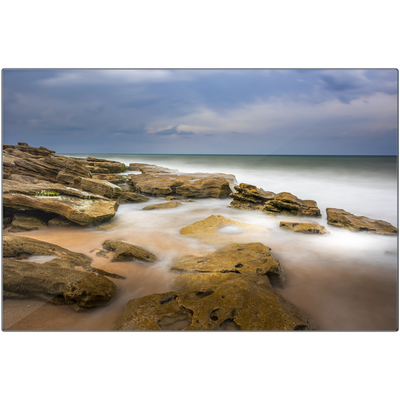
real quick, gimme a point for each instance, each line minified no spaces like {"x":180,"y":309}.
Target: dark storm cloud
{"x":152,"y":109}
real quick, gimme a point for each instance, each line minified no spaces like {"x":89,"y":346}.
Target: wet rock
{"x":160,"y":181}
{"x":126,"y":251}
{"x":82,"y":212}
{"x":250,"y":259}
{"x":249,"y":197}
{"x":309,"y":227}
{"x":132,"y":197}
{"x":96,"y":186}
{"x":343,"y":219}
{"x":233,"y":303}
{"x":25,"y":222}
{"x":56,"y":280}
{"x":163,"y":206}
{"x":218,"y":229}
{"x":206,"y":187}
{"x":59,"y":286}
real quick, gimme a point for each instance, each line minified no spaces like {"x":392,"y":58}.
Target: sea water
{"x":343,"y":281}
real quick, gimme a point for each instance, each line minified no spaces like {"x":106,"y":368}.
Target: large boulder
{"x":221,"y":301}
{"x":309,"y":227}
{"x":82,"y":212}
{"x":76,"y":205}
{"x":343,"y":219}
{"x":249,"y":197}
{"x":250,"y":259}
{"x":160,"y":181}
{"x":126,"y":251}
{"x":56,"y":278}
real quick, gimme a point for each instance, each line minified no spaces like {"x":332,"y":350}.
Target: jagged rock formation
{"x":37,"y":179}
{"x":343,"y":219}
{"x":249,"y":197}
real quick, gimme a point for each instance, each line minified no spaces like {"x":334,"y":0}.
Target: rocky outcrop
{"x":249,"y":260}
{"x":96,"y":186}
{"x":160,"y":181}
{"x":221,"y":301}
{"x":309,"y":227}
{"x":56,"y":279}
{"x":249,"y":197}
{"x":343,"y":219}
{"x":78,"y":206}
{"x":99,"y":164}
{"x":163,"y":206}
{"x":218,"y":229}
{"x":126,"y":251}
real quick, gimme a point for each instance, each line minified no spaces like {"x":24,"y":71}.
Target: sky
{"x":243,"y":111}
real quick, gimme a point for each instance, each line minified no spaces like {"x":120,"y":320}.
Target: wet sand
{"x":343,"y":281}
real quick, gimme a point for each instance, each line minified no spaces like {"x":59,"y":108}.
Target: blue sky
{"x":351,"y":112}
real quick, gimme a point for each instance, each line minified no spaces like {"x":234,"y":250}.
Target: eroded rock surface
{"x":343,"y":219}
{"x":309,"y":227}
{"x":249,"y":197}
{"x":250,"y":259}
{"x":56,"y":280}
{"x":223,"y":302}
{"x":126,"y":251}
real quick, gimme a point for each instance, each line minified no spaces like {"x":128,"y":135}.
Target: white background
{"x":206,"y":34}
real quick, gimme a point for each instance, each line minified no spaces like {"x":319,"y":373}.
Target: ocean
{"x":345,"y":281}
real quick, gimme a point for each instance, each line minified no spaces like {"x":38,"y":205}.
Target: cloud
{"x":173,"y":131}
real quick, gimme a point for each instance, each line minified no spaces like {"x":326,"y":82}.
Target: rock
{"x":172,"y":198}
{"x":110,"y":166}
{"x":96,"y":186}
{"x":304,"y":227}
{"x":82,"y":212}
{"x":115,"y":179}
{"x":56,"y":285}
{"x":61,"y":221}
{"x":125,"y":251}
{"x":163,"y":206}
{"x":25,"y":222}
{"x":233,"y":303}
{"x":56,"y":279}
{"x":343,"y":219}
{"x":250,"y":259}
{"x":132,"y":197}
{"x":249,"y":197}
{"x":218,"y":229}
{"x":160,"y":181}
{"x":206,"y":187}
